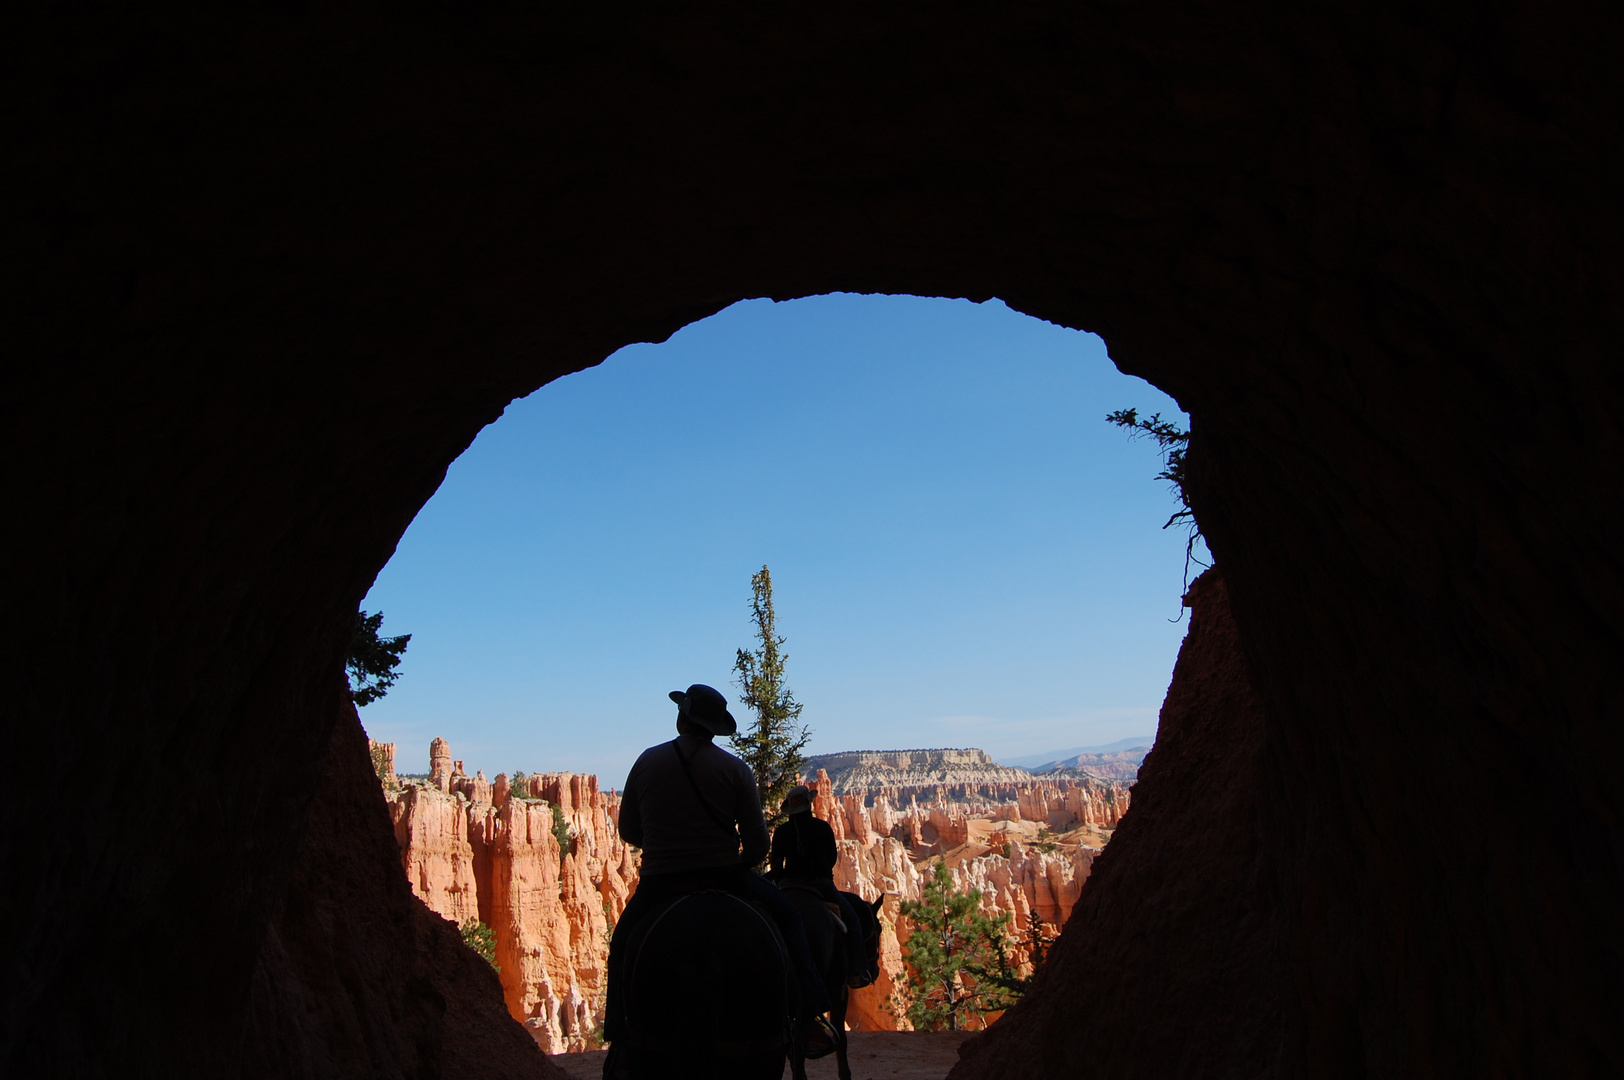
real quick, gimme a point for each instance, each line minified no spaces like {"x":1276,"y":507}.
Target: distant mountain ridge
{"x":1048,"y":759}
{"x":1121,"y":765}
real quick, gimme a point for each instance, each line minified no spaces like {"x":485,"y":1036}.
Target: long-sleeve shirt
{"x":660,"y":812}
{"x":804,"y":849}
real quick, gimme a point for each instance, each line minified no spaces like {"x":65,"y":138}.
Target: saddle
{"x":707,"y":970}
{"x":832,"y":908}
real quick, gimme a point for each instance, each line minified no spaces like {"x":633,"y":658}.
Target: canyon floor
{"x":874,"y":1055}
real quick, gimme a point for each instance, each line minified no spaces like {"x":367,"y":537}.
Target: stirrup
{"x":817,"y":1026}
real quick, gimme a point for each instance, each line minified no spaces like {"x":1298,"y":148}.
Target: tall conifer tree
{"x":773,"y":743}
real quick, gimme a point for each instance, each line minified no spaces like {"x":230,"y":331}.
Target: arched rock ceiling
{"x":274,"y":268}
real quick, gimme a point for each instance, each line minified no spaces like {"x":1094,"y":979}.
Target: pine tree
{"x":1174,"y":443}
{"x":772,"y":745}
{"x":953,"y":954}
{"x":372,"y":661}
{"x":1005,"y":976}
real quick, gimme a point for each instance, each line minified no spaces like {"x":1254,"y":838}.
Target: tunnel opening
{"x":946,"y":497}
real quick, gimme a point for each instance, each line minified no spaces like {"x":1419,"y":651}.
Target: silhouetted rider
{"x":804,"y":854}
{"x":691,"y":806}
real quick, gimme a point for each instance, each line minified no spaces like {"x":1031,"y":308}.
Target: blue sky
{"x":963,"y":552}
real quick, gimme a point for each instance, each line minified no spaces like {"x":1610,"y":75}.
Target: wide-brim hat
{"x":705,"y":707}
{"x":799,"y":800}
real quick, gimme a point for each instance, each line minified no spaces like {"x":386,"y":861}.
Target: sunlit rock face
{"x":432,"y":830}
{"x":357,"y":977}
{"x":872,"y":808}
{"x":485,"y":852}
{"x":925,"y":773}
{"x":551,"y":910}
{"x":276,"y":268}
{"x":886,"y":853}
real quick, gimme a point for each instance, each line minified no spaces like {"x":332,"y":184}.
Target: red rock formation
{"x":480,"y":850}
{"x":879,"y":847}
{"x":432,"y":831}
{"x":383,"y":762}
{"x":941,"y":825}
{"x":440,"y":764}
{"x":1022,"y":883}
{"x":497,"y":859}
{"x":357,"y":977}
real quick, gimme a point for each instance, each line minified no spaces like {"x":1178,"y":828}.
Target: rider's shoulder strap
{"x":703,"y":804}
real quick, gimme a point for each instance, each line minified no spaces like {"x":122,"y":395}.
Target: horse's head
{"x":869,"y":912}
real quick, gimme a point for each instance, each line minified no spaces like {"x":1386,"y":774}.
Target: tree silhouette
{"x":1174,"y":443}
{"x":373,"y":659}
{"x":773,"y":743}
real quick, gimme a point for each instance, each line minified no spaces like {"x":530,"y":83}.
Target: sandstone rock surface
{"x":904,"y":776}
{"x":357,"y":977}
{"x":488,"y":852}
{"x":1028,"y":884}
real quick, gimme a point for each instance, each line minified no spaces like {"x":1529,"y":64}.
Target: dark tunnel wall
{"x":273,"y":268}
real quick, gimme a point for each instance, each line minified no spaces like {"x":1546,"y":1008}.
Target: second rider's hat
{"x":799,"y":800}
{"x":705,"y":707}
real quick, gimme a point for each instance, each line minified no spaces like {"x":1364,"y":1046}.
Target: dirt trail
{"x":874,"y":1055}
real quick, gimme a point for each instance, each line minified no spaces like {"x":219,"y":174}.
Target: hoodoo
{"x":273,"y":268}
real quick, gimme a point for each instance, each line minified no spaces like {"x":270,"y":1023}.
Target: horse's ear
{"x":875,"y":906}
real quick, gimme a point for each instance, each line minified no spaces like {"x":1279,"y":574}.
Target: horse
{"x":828,"y":943}
{"x":708,"y":994}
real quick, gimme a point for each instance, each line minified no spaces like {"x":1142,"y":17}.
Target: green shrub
{"x":561,"y":832}
{"x":478,"y":937}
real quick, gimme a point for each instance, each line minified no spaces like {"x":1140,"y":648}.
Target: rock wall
{"x":886,"y":853}
{"x":880,"y":806}
{"x":357,"y":977}
{"x":905,"y":776}
{"x":482,"y":850}
{"x":1025,"y":884}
